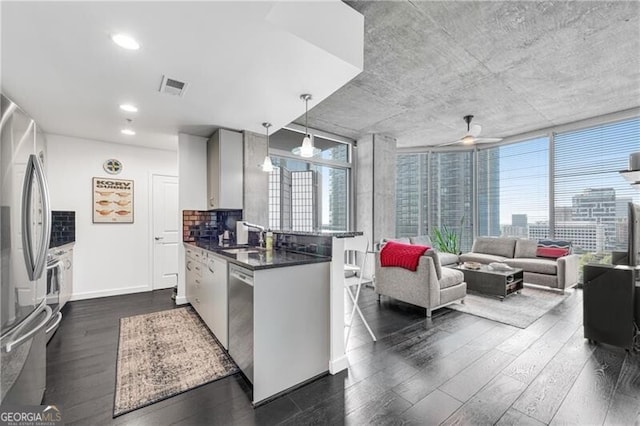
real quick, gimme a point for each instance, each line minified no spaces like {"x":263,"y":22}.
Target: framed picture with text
{"x":112,"y":200}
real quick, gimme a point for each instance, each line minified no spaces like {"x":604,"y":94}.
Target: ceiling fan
{"x":471,"y":137}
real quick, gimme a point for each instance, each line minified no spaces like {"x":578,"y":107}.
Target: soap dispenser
{"x":269,"y":240}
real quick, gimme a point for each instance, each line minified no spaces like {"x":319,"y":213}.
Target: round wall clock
{"x":112,"y":166}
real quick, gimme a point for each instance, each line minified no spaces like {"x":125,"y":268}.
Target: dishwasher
{"x":241,"y":318}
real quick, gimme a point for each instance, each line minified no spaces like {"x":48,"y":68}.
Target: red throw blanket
{"x":404,"y":256}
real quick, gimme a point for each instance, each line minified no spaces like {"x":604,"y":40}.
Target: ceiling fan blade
{"x":475,"y":130}
{"x":449,"y":143}
{"x":487,"y":140}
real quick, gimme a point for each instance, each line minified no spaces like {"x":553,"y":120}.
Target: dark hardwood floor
{"x":453,"y":369}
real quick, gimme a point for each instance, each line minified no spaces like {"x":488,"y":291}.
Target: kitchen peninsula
{"x":269,"y":308}
{"x":273,"y":310}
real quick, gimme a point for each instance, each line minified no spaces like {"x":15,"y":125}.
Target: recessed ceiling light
{"x":128,"y":108}
{"x":125,"y":41}
{"x":127,"y":132}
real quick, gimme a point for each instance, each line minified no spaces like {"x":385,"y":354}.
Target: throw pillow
{"x":553,"y":249}
{"x":551,"y":252}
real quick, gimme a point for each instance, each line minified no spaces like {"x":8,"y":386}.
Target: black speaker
{"x":610,"y":304}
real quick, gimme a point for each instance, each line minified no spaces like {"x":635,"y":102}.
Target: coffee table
{"x":493,"y":282}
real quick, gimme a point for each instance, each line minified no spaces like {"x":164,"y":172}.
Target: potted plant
{"x":446,"y":240}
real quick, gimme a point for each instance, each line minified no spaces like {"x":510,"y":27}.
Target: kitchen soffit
{"x":245,"y":62}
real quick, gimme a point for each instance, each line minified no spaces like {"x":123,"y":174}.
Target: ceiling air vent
{"x":173,"y":87}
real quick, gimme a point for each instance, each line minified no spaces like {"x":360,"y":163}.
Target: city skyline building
{"x":584,"y":236}
{"x":338,"y":202}
{"x":520,"y":220}
{"x":489,"y":193}
{"x":598,"y":205}
{"x":412,"y":195}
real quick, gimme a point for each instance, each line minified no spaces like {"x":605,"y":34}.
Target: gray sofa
{"x":561,"y":273}
{"x":431,"y":286}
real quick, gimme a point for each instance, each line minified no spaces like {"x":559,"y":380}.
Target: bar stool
{"x":355,"y":250}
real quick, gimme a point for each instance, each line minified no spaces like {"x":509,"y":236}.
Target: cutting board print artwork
{"x":112,"y":200}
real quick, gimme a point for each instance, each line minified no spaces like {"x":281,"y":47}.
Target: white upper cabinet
{"x":225,"y":170}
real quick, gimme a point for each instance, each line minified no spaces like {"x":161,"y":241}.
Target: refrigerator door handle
{"x":55,"y":324}
{"x":27,"y":239}
{"x":16,"y":342}
{"x":25,"y":321}
{"x":41,"y":260}
{"x":35,"y":262}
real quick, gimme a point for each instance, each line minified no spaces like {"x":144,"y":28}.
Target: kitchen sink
{"x":245,"y":250}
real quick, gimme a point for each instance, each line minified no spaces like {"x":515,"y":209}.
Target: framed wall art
{"x":112,"y":200}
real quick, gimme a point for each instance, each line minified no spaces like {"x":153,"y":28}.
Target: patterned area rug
{"x":519,"y":310}
{"x":163,"y":354}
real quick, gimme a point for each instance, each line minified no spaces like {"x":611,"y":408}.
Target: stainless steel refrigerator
{"x":25,"y":228}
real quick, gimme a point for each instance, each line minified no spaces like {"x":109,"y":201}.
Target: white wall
{"x":192,"y":188}
{"x":109,"y":259}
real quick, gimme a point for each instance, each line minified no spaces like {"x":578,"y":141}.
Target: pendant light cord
{"x":306,"y":117}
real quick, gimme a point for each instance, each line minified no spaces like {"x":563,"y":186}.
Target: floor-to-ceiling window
{"x":434,"y":191}
{"x":516,"y":183}
{"x":513,"y":189}
{"x":309,"y":194}
{"x":590,"y":195}
{"x":412,"y":195}
{"x":451,"y":194}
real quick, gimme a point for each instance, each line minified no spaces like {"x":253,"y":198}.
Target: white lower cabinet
{"x":206,"y":290}
{"x":215,"y":289}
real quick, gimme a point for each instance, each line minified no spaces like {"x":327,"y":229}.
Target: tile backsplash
{"x":205,"y":226}
{"x":63,"y":228}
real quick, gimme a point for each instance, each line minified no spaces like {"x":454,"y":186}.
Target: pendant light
{"x":307,"y":149}
{"x":267,"y":165}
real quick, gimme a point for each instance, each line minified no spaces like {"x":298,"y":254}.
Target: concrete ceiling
{"x":245,"y":63}
{"x":518,"y":66}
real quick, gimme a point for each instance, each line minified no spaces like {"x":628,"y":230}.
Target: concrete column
{"x":256,"y":182}
{"x":376,"y":188}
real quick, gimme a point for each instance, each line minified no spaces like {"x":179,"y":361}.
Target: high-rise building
{"x":518,"y":227}
{"x":338,"y":202}
{"x":489,"y":193}
{"x":411,"y":195}
{"x":451,"y":195}
{"x":585,"y":237}
{"x":598,"y":205}
{"x":563,"y":213}
{"x":514,"y":231}
{"x":520,"y":220}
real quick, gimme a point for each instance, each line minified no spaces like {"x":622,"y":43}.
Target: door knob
{"x":159,"y":238}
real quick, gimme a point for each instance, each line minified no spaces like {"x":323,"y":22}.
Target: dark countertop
{"x":337,"y":234}
{"x":266,"y":259}
{"x":214,"y":247}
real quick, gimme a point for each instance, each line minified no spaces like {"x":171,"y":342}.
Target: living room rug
{"x":163,"y":354}
{"x":519,"y":310}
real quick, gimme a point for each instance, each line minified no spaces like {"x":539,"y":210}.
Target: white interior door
{"x":166,"y":231}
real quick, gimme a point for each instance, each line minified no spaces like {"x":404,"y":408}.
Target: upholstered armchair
{"x":431,"y":286}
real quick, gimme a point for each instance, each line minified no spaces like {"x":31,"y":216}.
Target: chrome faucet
{"x":259,"y":228}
